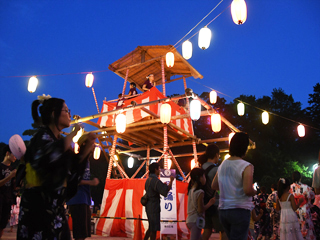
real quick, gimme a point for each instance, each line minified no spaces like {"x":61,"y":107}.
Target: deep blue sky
{"x":278,"y":47}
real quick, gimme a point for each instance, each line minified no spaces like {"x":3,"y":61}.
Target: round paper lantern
{"x":301,"y":131}
{"x":192,"y":164}
{"x":17,"y":146}
{"x":265,"y":117}
{"x":213,"y":97}
{"x":76,"y":148}
{"x":78,"y":135}
{"x":121,"y":123}
{"x":170,"y":59}
{"x":239,"y":11}
{"x":130,"y":162}
{"x":89,"y":80}
{"x":204,"y":38}
{"x":216,"y":122}
{"x":32,"y":84}
{"x":187,"y":49}
{"x":96,"y":153}
{"x":231,"y":136}
{"x":195,"y":109}
{"x":240,"y":108}
{"x":165,"y":113}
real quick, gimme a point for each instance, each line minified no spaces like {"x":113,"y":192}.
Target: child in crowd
{"x":196,"y":207}
{"x":14,"y":214}
{"x":254,"y":218}
{"x":133,"y":90}
{"x":289,"y":224}
{"x":120,"y":101}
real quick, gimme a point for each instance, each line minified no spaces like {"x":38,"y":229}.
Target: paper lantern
{"x":153,"y":161}
{"x":216,"y":122}
{"x":165,"y":113}
{"x":187,"y":49}
{"x":213,"y":97}
{"x":193,"y":164}
{"x":265,"y":117}
{"x":169,"y":163}
{"x":226,"y":156}
{"x":170,"y":59}
{"x":75,"y":139}
{"x":96,"y":153}
{"x":239,"y":11}
{"x":89,"y":80}
{"x":76,"y":148}
{"x":130,"y":162}
{"x":195,"y":109}
{"x":121,"y":123}
{"x":115,"y":157}
{"x":231,"y":136}
{"x":32,"y":84}
{"x":301,"y":131}
{"x":204,"y":38}
{"x":240,"y":108}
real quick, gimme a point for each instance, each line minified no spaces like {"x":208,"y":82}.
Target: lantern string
{"x":272,"y":113}
{"x":199,"y":23}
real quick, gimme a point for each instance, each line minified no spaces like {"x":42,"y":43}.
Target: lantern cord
{"x":198,"y":23}
{"x":275,"y":114}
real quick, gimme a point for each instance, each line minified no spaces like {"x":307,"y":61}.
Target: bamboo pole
{"x":112,"y":156}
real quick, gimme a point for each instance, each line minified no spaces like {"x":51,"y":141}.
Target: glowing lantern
{"x":240,"y":108}
{"x":76,"y":148}
{"x":153,"y":161}
{"x":195,"y":109}
{"x":89,"y":80}
{"x":165,"y":113}
{"x":213,"y":97}
{"x":231,"y":136}
{"x":78,"y":135}
{"x":216,"y":122}
{"x":169,"y":163}
{"x":187,"y":49}
{"x":226,"y":156}
{"x":96,"y":153}
{"x":239,"y":11}
{"x":130,"y":162}
{"x":204,"y":38}
{"x":121,"y":123}
{"x":170,"y":59}
{"x":32,"y":84}
{"x":193,"y":164}
{"x":265,"y":117}
{"x":115,"y":157}
{"x":301,"y":131}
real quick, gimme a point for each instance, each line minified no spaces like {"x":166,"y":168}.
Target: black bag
{"x":144,"y":198}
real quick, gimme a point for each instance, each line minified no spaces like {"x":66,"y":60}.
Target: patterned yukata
{"x":52,"y":176}
{"x":265,"y":229}
{"x":300,"y":190}
{"x":274,"y":215}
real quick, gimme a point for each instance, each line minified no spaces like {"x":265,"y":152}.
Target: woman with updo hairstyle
{"x":53,"y":172}
{"x":303,"y":191}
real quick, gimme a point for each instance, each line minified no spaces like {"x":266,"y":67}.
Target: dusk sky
{"x":277,"y":47}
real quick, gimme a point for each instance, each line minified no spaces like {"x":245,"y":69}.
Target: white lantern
{"x":130,"y":162}
{"x":96,"y":153}
{"x":169,"y":163}
{"x":187,"y":49}
{"x":121,"y":123}
{"x":226,"y":156}
{"x":204,"y":38}
{"x":231,"y":136}
{"x":115,"y":157}
{"x":32,"y":84}
{"x":239,"y":11}
{"x":76,"y":148}
{"x":170,"y":59}
{"x":89,"y":80}
{"x":301,"y":131}
{"x":75,"y":139}
{"x":193,"y":164}
{"x":216,"y":122}
{"x":195,"y":109}
{"x":213,"y":97}
{"x":240,"y":108}
{"x":165,"y":113}
{"x":265,"y":117}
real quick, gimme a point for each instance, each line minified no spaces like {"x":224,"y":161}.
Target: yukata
{"x":300,"y":190}
{"x":153,"y":190}
{"x":264,"y":222}
{"x":274,"y":215}
{"x":52,"y":177}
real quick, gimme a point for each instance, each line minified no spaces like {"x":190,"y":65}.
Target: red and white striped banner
{"x":121,"y":198}
{"x":138,"y":114}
